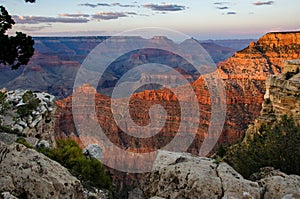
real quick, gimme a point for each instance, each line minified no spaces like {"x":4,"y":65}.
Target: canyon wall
{"x":244,"y":76}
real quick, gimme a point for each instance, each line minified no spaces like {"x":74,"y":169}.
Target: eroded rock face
{"x":28,"y":174}
{"x":244,"y":77}
{"x":282,"y":95}
{"x":245,"y":74}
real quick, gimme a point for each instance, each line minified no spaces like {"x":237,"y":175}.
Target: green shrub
{"x":21,"y":140}
{"x":3,"y":104}
{"x":9,"y":130}
{"x":89,"y":170}
{"x":277,"y":146}
{"x":31,"y":103}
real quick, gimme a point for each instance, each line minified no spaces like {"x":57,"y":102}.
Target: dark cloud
{"x":111,"y":15}
{"x":261,"y":3}
{"x":165,"y":7}
{"x":88,"y":5}
{"x":37,"y":20}
{"x":231,"y":13}
{"x":103,"y":4}
{"x":223,"y":8}
{"x":73,"y":15}
{"x":221,"y":3}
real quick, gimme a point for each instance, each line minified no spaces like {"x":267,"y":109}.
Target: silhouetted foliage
{"x":277,"y":146}
{"x":15,"y":50}
{"x":88,"y":170}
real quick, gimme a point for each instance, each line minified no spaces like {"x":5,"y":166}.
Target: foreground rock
{"x":277,"y":184}
{"x":30,"y":114}
{"x":282,"y":95}
{"x":26,"y":173}
{"x":181,"y":175}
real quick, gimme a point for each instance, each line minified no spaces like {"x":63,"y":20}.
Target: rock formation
{"x":245,"y":74}
{"x":181,"y":175}
{"x":244,"y":77}
{"x":32,"y":118}
{"x":26,"y":173}
{"x":276,"y":184}
{"x":282,"y":95}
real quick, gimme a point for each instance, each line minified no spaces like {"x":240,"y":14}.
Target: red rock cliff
{"x":244,"y":77}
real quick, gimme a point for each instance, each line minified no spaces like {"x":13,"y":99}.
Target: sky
{"x":201,"y":19}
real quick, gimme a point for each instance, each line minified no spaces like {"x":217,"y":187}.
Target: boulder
{"x":181,"y":175}
{"x":29,"y":174}
{"x":7,"y":195}
{"x":276,"y":184}
{"x":93,"y":150}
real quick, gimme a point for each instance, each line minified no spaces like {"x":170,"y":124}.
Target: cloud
{"x":103,"y":4}
{"x":88,"y":5}
{"x":106,"y":5}
{"x":223,"y":8}
{"x":261,"y":3}
{"x":221,"y":3}
{"x":111,"y":15}
{"x":165,"y":7}
{"x":38,"y":19}
{"x":33,"y":28}
{"x":73,"y":15}
{"x":123,"y":5}
{"x":231,"y":13}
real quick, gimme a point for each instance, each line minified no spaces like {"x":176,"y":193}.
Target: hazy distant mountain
{"x":235,"y":44}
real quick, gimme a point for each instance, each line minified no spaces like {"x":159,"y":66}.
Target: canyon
{"x":56,"y":60}
{"x":261,"y":84}
{"x":243,"y":74}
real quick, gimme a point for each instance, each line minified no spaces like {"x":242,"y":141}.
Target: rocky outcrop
{"x":181,"y":175}
{"x":26,"y":173}
{"x":32,"y":118}
{"x":178,"y":175}
{"x":276,"y":184}
{"x":264,"y":57}
{"x":282,"y":95}
{"x":245,"y":73}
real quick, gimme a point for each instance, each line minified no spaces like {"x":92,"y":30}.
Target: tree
{"x":87,"y":169}
{"x":277,"y":146}
{"x":14,"y":50}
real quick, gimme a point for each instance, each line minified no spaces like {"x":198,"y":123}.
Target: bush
{"x":21,"y":140}
{"x":31,"y":103}
{"x":89,"y":170}
{"x":9,"y":130}
{"x":3,"y":104}
{"x":277,"y":146}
